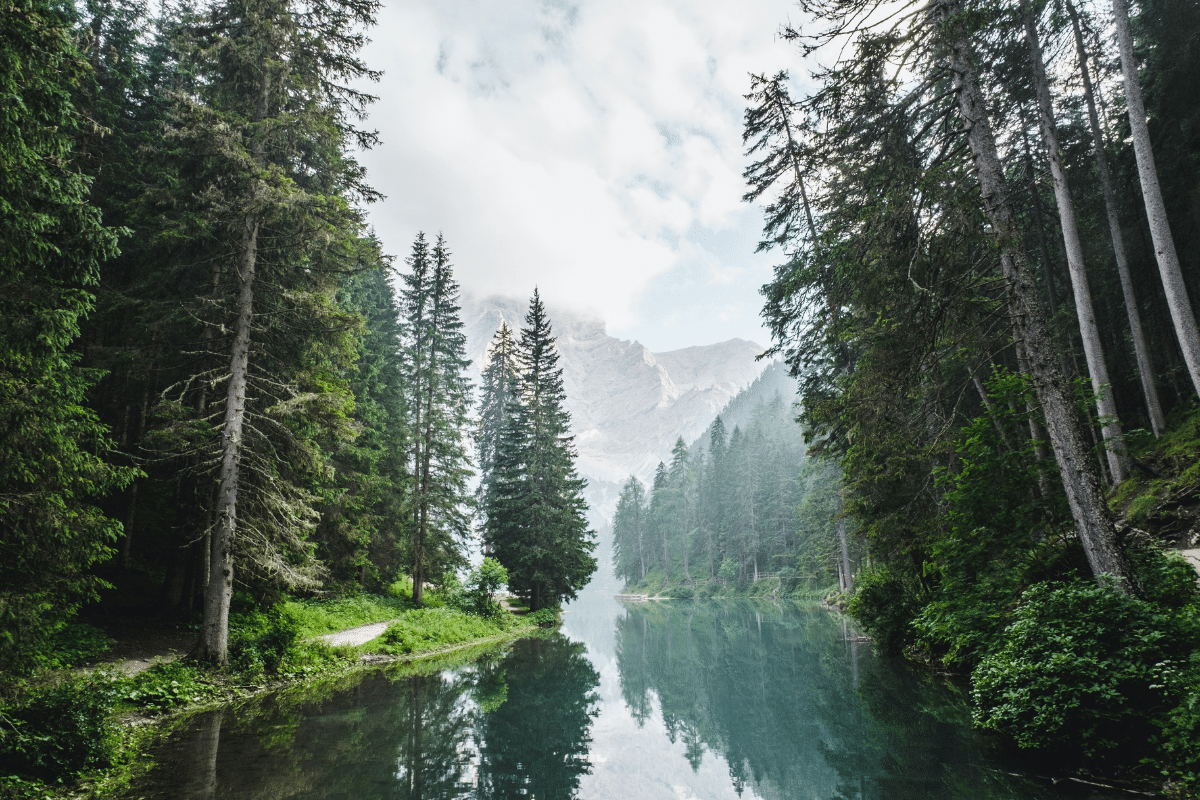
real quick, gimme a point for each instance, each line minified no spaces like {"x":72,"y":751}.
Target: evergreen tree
{"x":501,"y":386}
{"x":536,"y":525}
{"x":439,"y":401}
{"x":51,"y":245}
{"x":629,"y":532}
{"x":363,"y":523}
{"x":260,"y":132}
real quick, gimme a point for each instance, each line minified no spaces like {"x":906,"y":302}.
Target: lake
{"x":670,"y":700}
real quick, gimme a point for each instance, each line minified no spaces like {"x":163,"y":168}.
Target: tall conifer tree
{"x":439,"y":402}
{"x":501,"y":387}
{"x":535,"y":517}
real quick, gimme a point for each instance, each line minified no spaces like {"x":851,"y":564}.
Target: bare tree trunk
{"x":214,"y":635}
{"x":845,"y":549}
{"x":1141,"y":348}
{"x":1093,"y":350}
{"x":1156,"y":212}
{"x":1039,"y":225}
{"x":1080,"y":475}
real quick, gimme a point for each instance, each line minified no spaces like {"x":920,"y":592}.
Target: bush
{"x":60,"y":731}
{"x":259,"y":640}
{"x":1078,"y":671}
{"x":544,"y":617}
{"x":884,"y":606}
{"x":315,"y":617}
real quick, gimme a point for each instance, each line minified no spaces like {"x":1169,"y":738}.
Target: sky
{"x":590,"y":148}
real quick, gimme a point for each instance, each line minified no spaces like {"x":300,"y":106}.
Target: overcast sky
{"x":592,"y":148}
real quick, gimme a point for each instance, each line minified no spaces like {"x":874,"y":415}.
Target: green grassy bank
{"x":84,"y":732}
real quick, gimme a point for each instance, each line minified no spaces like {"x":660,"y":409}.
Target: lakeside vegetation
{"x":85,"y":727}
{"x":986,"y":291}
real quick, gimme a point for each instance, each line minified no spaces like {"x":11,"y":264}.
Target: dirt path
{"x":1192,"y":556}
{"x":137,"y":647}
{"x":356,"y":636}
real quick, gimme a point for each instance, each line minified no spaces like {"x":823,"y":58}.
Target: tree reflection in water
{"x":535,"y":743}
{"x":796,"y":707}
{"x":515,"y":725}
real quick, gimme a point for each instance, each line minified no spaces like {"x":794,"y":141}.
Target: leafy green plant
{"x":429,"y":628}
{"x":59,"y":730}
{"x":884,"y":605}
{"x":543,"y":618}
{"x":260,"y":640}
{"x":315,"y":617}
{"x":76,"y":643}
{"x":1078,"y":670}
{"x":165,"y":686}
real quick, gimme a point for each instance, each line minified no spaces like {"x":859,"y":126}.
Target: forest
{"x":743,"y":510}
{"x":218,"y":392}
{"x":987,"y":225}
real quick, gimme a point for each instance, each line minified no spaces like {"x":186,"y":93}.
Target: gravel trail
{"x":356,"y":636}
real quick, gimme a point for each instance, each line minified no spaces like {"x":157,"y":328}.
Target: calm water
{"x":660,"y":700}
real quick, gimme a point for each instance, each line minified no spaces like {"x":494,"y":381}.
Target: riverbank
{"x":97,"y":724}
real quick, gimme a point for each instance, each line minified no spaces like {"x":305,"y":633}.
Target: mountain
{"x":740,"y":411}
{"x":628,"y":405}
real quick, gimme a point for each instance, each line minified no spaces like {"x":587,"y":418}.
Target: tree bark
{"x":214,"y":635}
{"x":1093,"y":350}
{"x":1156,"y":212}
{"x":1080,"y":475}
{"x":1141,"y":346}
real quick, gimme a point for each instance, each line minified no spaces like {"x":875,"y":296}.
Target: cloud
{"x":574,"y":146}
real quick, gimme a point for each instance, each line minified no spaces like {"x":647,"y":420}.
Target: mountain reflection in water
{"x":660,"y":700}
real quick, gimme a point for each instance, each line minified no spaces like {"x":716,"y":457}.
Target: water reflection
{"x":655,"y":701}
{"x":462,"y":733}
{"x":795,"y":706}
{"x":535,"y":743}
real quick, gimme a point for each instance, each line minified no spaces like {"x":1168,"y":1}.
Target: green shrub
{"x":543,"y":618}
{"x":259,"y":640}
{"x":77,"y":643}
{"x":884,"y":606}
{"x":429,"y":628}
{"x":1078,"y":670}
{"x":166,"y":686}
{"x":59,"y":731}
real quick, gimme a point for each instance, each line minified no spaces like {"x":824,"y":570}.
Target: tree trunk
{"x":1039,"y":226}
{"x":1156,"y":212}
{"x":214,"y":635}
{"x":1093,"y":350}
{"x":1141,"y":348}
{"x":1080,"y":475}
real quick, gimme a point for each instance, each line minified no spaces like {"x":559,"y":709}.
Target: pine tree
{"x":501,"y":385}
{"x":629,"y":532}
{"x":363,"y":523}
{"x":439,"y":402}
{"x":260,"y":134}
{"x":536,"y":523}
{"x":51,"y":245}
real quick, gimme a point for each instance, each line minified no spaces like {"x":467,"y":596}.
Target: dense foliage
{"x":738,"y":509}
{"x":970,"y":300}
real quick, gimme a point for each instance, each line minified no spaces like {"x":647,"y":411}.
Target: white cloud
{"x":579,"y":147}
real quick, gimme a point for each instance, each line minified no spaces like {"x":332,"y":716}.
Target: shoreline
{"x":139,"y":731}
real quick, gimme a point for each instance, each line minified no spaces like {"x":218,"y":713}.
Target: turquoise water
{"x":657,"y":700}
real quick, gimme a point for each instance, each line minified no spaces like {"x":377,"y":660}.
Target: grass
{"x":317,"y":617}
{"x":432,"y":628}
